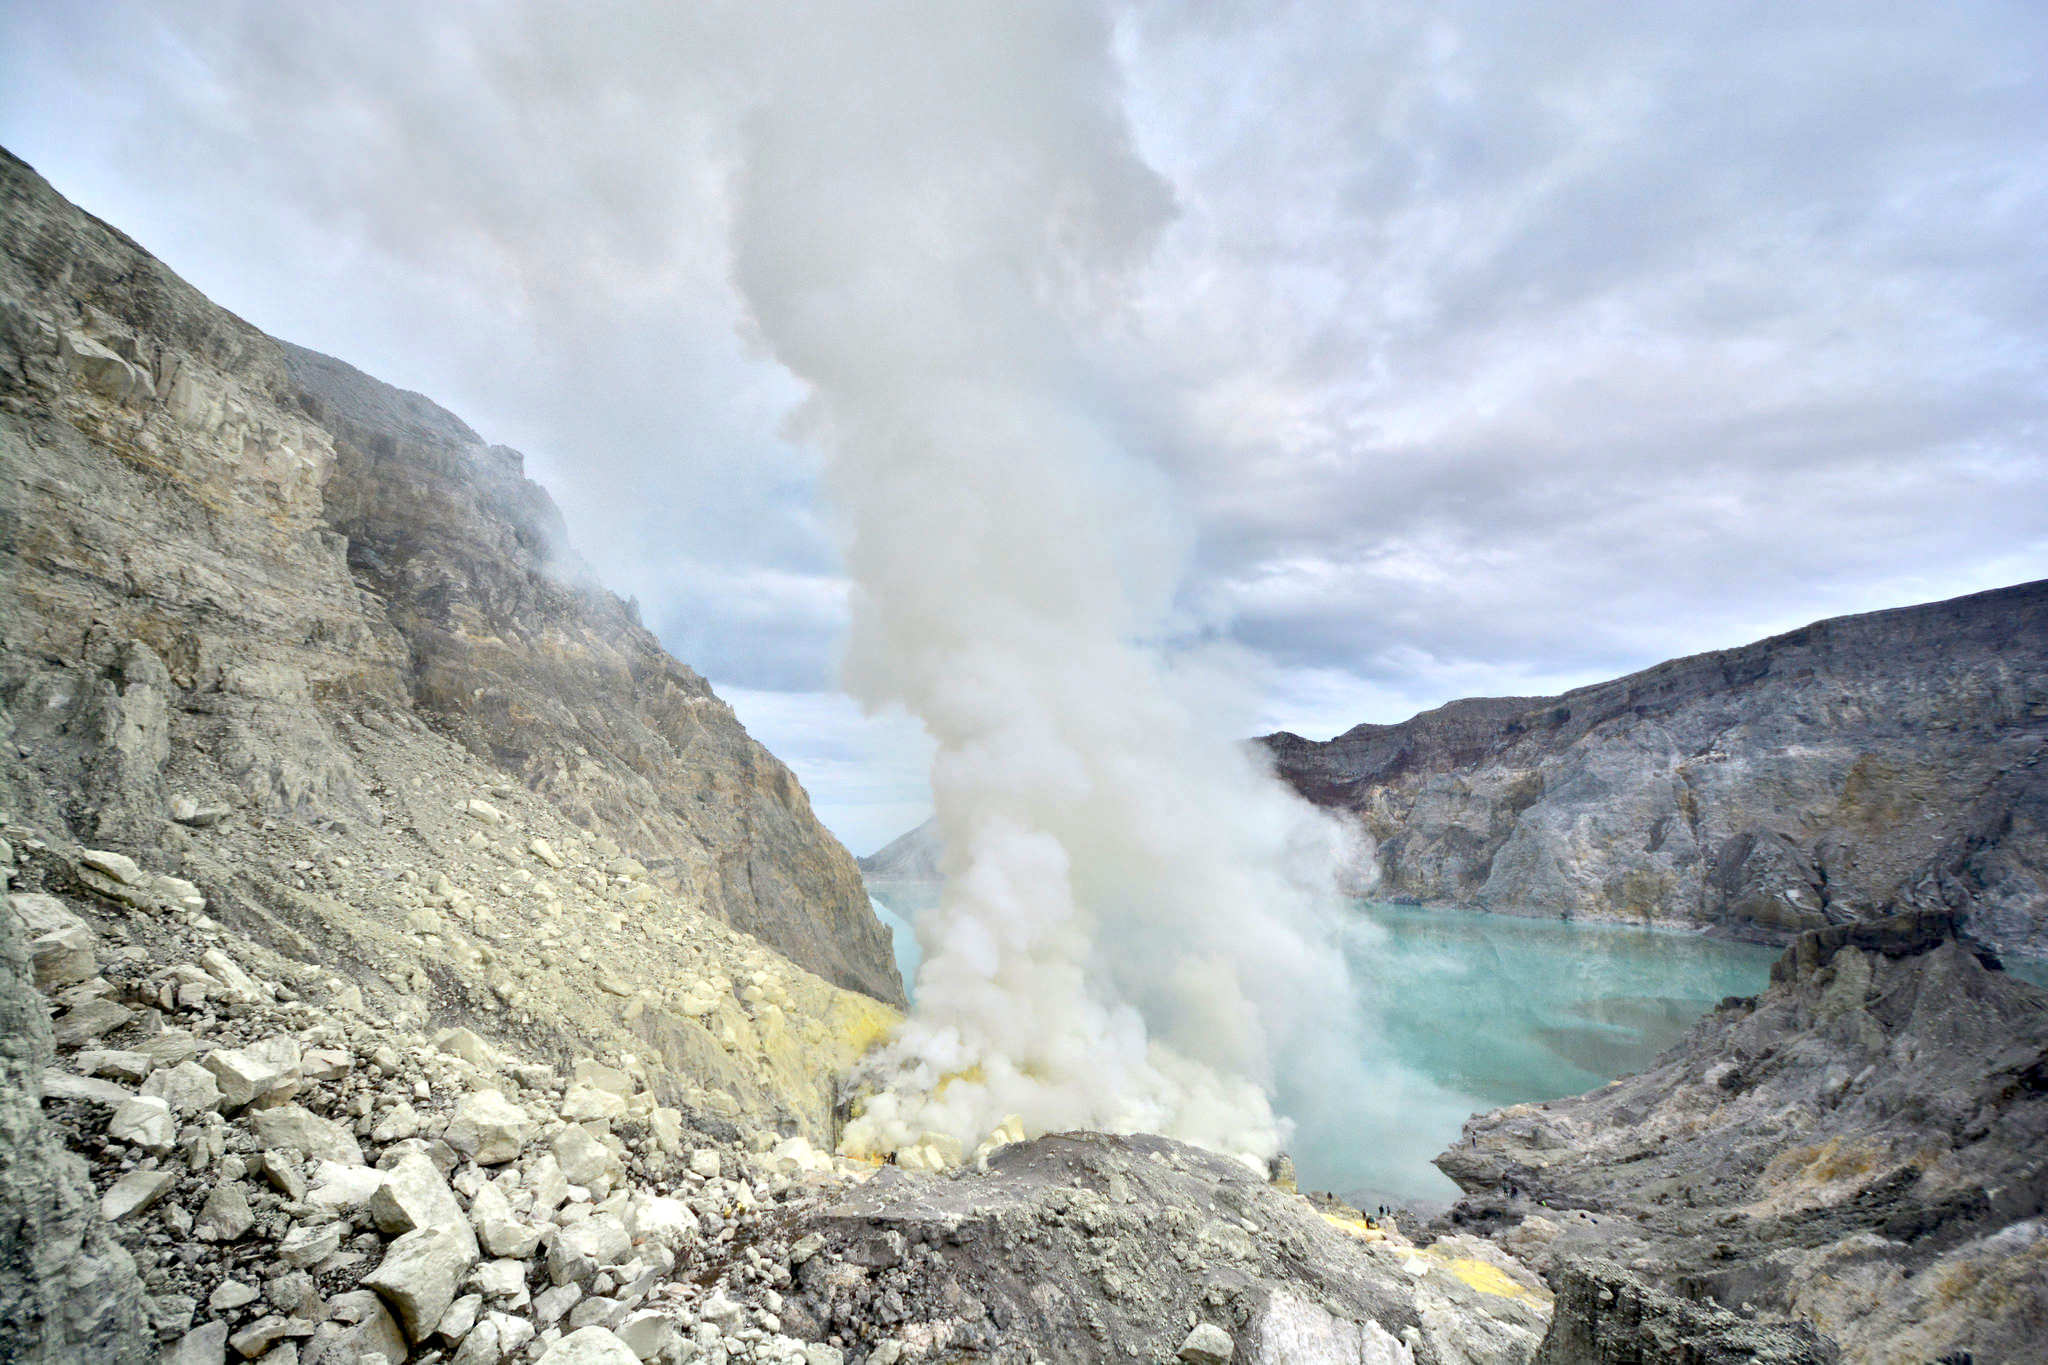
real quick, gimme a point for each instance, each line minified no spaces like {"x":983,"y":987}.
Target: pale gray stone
{"x":63,"y":1085}
{"x":597,"y":1243}
{"x":188,"y":1087}
{"x":257,"y":1073}
{"x":456,"y":1323}
{"x":488,"y":1128}
{"x":132,"y":1067}
{"x":226,"y":1214}
{"x":413,"y":1195}
{"x":206,"y":1344}
{"x":308,"y":1244}
{"x":63,"y":957}
{"x":584,"y":1160}
{"x":646,"y":1334}
{"x":146,"y":1122}
{"x":293,"y":1128}
{"x":1207,"y":1344}
{"x":133,"y":1193}
{"x":421,"y":1272}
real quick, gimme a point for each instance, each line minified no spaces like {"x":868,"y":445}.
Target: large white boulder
{"x":421,"y":1274}
{"x":146,"y":1122}
{"x":296,"y":1129}
{"x":590,"y":1346}
{"x":413,"y":1195}
{"x":261,"y":1073}
{"x":488,"y":1128}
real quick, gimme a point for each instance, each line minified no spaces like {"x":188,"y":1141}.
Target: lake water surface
{"x":1477,"y":1011}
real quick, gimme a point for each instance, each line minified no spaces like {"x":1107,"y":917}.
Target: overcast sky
{"x":1493,"y":347}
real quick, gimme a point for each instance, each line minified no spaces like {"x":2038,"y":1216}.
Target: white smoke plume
{"x":935,"y":206}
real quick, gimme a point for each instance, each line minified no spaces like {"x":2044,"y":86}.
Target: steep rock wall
{"x":1859,"y":767}
{"x":220,"y":550}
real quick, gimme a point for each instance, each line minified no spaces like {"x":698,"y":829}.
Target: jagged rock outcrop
{"x":68,"y":1291}
{"x":1863,"y":766}
{"x":1087,"y":1247}
{"x":1862,"y":1148}
{"x":221,"y":552}
{"x":1606,"y":1316}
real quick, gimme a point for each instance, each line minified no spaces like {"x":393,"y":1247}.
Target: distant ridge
{"x":1857,"y":767}
{"x":1854,"y":768}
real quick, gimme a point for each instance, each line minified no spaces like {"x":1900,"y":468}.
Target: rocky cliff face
{"x":912,"y":858}
{"x":1862,"y":1148}
{"x":225,"y":554}
{"x":1861,"y":766}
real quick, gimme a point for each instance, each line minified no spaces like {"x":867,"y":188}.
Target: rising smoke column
{"x":934,"y":204}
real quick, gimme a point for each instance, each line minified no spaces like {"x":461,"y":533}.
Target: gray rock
{"x":206,"y":1344}
{"x":308,"y":1244}
{"x":69,"y":1292}
{"x":63,"y":957}
{"x":1791,"y":1135}
{"x":413,"y":1195}
{"x":292,"y":1128}
{"x":1207,"y":1344}
{"x":231,"y":1294}
{"x":134,"y":1193}
{"x":86,"y":1022}
{"x":133,"y":1067}
{"x":144,"y":1122}
{"x":584,"y":1160}
{"x":117,"y":866}
{"x":360,"y":1331}
{"x":480,"y":1346}
{"x":646,"y":1334}
{"x":260,"y":1335}
{"x":589,"y":1346}
{"x":260,"y":1073}
{"x":581,"y":1250}
{"x":508,"y":1237}
{"x":583,"y":1102}
{"x":460,"y":1042}
{"x":62,"y":1085}
{"x":460,"y":1318}
{"x":1606,"y":1316}
{"x":420,"y":1274}
{"x":488,"y":1128}
{"x":1094,"y":1247}
{"x":500,"y":1279}
{"x":188,"y":1087}
{"x":226,"y":1215}
{"x":550,"y":1305}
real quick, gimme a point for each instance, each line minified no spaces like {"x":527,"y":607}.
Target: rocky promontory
{"x":1860,"y":767}
{"x":1861,"y":1150}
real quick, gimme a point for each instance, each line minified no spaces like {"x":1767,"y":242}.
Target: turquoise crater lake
{"x":1475,"y":1011}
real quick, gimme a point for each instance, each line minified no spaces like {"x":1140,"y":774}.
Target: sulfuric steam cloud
{"x":934,"y":206}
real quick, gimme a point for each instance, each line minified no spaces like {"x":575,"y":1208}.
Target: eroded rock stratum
{"x":253,"y":580}
{"x":1861,"y":767}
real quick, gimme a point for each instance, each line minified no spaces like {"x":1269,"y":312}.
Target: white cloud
{"x":1493,"y":347}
